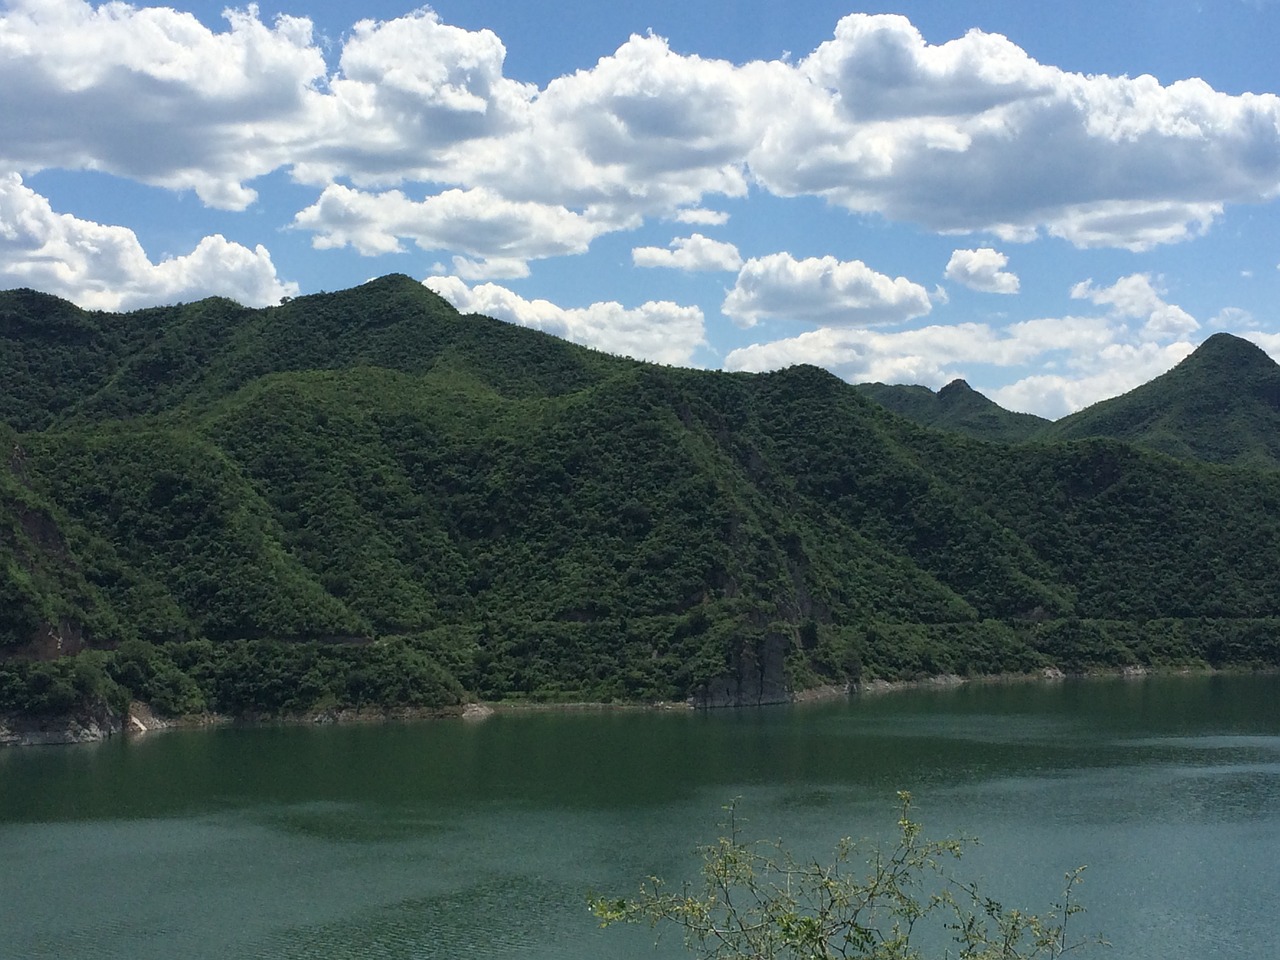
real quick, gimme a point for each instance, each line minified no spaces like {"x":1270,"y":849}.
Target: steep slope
{"x":956,"y":408}
{"x":1221,"y":405}
{"x":51,"y":354}
{"x":181,"y":544}
{"x":47,"y":606}
{"x":479,"y":506}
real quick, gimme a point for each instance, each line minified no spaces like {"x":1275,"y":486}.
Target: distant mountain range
{"x":365,"y":497}
{"x":1220,"y":405}
{"x":957,"y":408}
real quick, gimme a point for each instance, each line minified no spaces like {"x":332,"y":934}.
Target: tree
{"x":757,"y":901}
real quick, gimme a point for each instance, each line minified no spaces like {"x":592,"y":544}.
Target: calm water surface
{"x":453,"y":839}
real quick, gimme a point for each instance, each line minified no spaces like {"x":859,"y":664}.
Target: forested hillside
{"x":956,"y":408}
{"x":1220,"y":405}
{"x":365,"y":498}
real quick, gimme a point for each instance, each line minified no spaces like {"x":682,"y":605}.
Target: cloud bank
{"x":1091,"y":357}
{"x":971,"y":135}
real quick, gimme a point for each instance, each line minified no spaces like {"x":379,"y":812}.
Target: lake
{"x":481,"y":839}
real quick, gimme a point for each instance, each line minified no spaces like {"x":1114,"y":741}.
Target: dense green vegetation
{"x":364,"y":497}
{"x":1220,"y":405}
{"x":956,"y":408}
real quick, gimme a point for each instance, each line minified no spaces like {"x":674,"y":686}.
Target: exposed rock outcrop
{"x":85,"y":727}
{"x":757,"y":676}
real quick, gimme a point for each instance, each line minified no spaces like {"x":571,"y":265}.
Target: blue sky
{"x":1055,"y":201}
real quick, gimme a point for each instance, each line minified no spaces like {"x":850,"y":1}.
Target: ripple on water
{"x":458,"y":924}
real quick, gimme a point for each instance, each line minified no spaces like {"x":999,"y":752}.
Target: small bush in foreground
{"x":755,"y":900}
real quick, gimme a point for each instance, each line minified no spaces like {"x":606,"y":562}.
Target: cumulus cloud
{"x":982,"y":269}
{"x":645,"y":129}
{"x":931,"y":355}
{"x":690,"y":253}
{"x":1269,"y":342}
{"x":409,"y":91}
{"x":1234,"y":318}
{"x":104,"y":267}
{"x":928,"y":355}
{"x":968,"y":135}
{"x":478,"y":222}
{"x":497,"y":268}
{"x":975,"y":135}
{"x":153,"y":95}
{"x":660,"y":331}
{"x":702,"y":217}
{"x":821,"y":290}
{"x":1135,"y":297}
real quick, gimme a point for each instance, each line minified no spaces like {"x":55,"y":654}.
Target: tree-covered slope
{"x":60,"y":364}
{"x":956,"y":408}
{"x":1221,"y":405}
{"x":426,"y":504}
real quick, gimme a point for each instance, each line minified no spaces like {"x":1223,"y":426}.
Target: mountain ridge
{"x":1220,"y":404}
{"x":450,"y":506}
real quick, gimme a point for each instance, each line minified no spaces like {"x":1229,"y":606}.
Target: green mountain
{"x":1221,"y":405}
{"x":956,"y":408}
{"x":60,"y":364}
{"x":365,"y":498}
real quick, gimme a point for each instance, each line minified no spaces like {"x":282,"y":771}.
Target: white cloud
{"x":1269,"y":342}
{"x":1087,"y":358}
{"x":701,"y":217}
{"x":821,"y":290}
{"x":982,"y":269}
{"x":884,"y":70}
{"x":1136,"y":225}
{"x":478,"y":222}
{"x":104,"y":267}
{"x":1136,"y":297}
{"x":153,"y":95}
{"x":968,"y":135}
{"x":1116,"y":369}
{"x":645,"y":131}
{"x":931,"y":355}
{"x":974,"y":135}
{"x":497,"y":268}
{"x":409,"y":91}
{"x":660,"y":331}
{"x":690,"y":253}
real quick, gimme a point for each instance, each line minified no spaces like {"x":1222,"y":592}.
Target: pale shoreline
{"x":141,"y":721}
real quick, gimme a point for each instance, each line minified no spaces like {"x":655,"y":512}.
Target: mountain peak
{"x":958,"y":387}
{"x":1220,"y":404}
{"x":1224,"y":350}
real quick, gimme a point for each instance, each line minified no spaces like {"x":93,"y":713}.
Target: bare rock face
{"x":88,"y":727}
{"x":476,"y":711}
{"x":757,"y":676}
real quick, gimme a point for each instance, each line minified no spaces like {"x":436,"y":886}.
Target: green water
{"x":452,"y":839}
